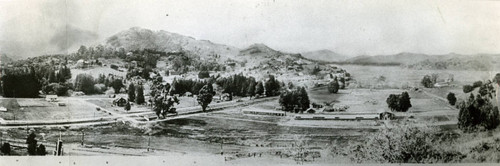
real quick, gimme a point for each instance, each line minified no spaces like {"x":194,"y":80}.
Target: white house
{"x":51,"y":98}
{"x":3,"y":109}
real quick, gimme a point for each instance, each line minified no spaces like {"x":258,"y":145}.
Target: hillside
{"x":324,"y":55}
{"x":397,"y":59}
{"x":458,"y":62}
{"x":139,"y":38}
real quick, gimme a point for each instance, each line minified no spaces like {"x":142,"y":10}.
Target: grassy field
{"x":39,"y":109}
{"x":397,"y":77}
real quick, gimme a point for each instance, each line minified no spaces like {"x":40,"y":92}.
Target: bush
{"x":403,"y":144}
{"x":113,"y":66}
{"x":203,"y":74}
{"x":477,"y":84}
{"x":468,"y":88}
{"x":451,"y":98}
{"x":427,"y":81}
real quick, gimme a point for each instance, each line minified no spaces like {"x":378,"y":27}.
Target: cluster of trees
{"x":294,"y":100}
{"x":429,"y":81}
{"x":181,"y":86}
{"x":479,"y":111}
{"x":33,"y":149}
{"x":336,"y":84}
{"x":56,"y":82}
{"x":405,"y":143}
{"x":20,"y":82}
{"x":470,"y":88}
{"x":399,"y":103}
{"x":136,"y":94}
{"x":88,"y":85}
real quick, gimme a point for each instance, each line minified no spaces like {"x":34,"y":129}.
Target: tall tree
{"x":404,"y":102}
{"x":140,"y":95}
{"x":334,"y":86}
{"x":131,"y":92}
{"x":117,"y":84}
{"x":259,"y":88}
{"x":205,"y":96}
{"x":451,"y":98}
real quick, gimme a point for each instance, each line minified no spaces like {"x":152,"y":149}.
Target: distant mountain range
{"x":325,"y":55}
{"x":140,"y":38}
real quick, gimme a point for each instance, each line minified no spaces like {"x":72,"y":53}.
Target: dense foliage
{"x":451,"y":98}
{"x":333,"y":86}
{"x":294,"y":100}
{"x":205,"y":96}
{"x":402,"y":144}
{"x":399,"y":103}
{"x":479,"y":112}
{"x":21,"y":82}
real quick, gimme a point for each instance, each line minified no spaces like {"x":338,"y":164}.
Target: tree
{"x":404,"y":102}
{"x":427,"y":81}
{"x":140,"y":95}
{"x":205,"y":96}
{"x":478,"y":112}
{"x":251,"y":88}
{"x":468,"y":88}
{"x":41,"y":150}
{"x":259,"y":88}
{"x":477,"y":84}
{"x":31,"y":141}
{"x":451,"y":98}
{"x":393,"y":102}
{"x":117,"y":85}
{"x":272,"y":86}
{"x":333,"y":87}
{"x":5,"y":149}
{"x":131,"y":92}
{"x":52,"y":76}
{"x":85,"y":83}
{"x":342,"y":80}
{"x":496,"y":79}
{"x":203,"y":74}
{"x":127,"y":106}
{"x":303,"y":98}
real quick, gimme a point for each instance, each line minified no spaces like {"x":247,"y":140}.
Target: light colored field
{"x":74,"y":109}
{"x":396,"y":77}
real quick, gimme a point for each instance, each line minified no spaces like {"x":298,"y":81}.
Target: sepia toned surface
{"x":263,"y":82}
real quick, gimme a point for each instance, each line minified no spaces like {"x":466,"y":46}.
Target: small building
{"x":61,"y":104}
{"x":255,"y":111}
{"x":3,"y":109}
{"x":51,"y":98}
{"x":120,"y":102}
{"x":441,"y":84}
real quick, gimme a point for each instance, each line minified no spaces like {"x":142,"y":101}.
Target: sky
{"x":349,"y":27}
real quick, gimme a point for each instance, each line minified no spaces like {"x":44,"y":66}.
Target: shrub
{"x":451,"y":98}
{"x":468,"y":88}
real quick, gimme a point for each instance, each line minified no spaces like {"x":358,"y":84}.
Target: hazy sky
{"x":29,"y":27}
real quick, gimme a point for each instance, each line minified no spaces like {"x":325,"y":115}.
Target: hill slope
{"x":324,"y":55}
{"x":139,"y":38}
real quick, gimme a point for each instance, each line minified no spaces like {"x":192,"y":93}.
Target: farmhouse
{"x":120,"y":102}
{"x":51,"y":98}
